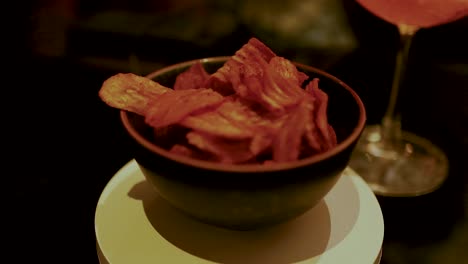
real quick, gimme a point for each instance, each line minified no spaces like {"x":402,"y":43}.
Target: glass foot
{"x":417,"y":168}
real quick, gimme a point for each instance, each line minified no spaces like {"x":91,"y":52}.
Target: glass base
{"x":415,"y":168}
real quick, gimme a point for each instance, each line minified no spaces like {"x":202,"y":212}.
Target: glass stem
{"x":391,"y":123}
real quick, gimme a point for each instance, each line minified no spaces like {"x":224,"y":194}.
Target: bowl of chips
{"x":240,"y":142}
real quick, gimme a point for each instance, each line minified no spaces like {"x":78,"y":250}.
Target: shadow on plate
{"x":303,"y":238}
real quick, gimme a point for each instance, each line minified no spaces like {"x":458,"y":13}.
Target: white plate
{"x":134,"y":225}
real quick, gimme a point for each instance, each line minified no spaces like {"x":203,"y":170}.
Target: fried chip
{"x":288,"y":140}
{"x":193,"y":78}
{"x":321,"y":120}
{"x":233,"y":119}
{"x":225,"y":150}
{"x":130,"y":92}
{"x":171,"y":107}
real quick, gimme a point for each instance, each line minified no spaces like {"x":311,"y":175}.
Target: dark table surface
{"x":71,"y":144}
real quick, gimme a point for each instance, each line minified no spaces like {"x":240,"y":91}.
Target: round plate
{"x":135,"y":225}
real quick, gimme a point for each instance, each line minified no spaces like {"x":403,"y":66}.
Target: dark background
{"x":63,"y":144}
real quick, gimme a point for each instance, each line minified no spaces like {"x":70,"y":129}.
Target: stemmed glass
{"x":392,"y":161}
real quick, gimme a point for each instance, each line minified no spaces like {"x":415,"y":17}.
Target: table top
{"x":71,"y":144}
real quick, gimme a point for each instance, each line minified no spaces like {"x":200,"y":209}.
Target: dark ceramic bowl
{"x":248,"y":196}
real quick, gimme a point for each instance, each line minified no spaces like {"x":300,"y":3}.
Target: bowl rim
{"x":210,"y":165}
